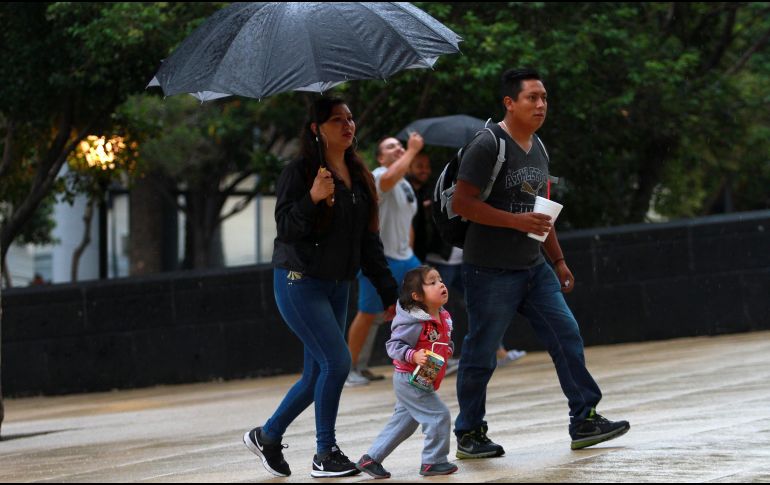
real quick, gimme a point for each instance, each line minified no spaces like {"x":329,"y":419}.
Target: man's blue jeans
{"x":316,"y":311}
{"x":493,"y":296}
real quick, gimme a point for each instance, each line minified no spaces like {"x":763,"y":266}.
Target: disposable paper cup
{"x":549,"y":208}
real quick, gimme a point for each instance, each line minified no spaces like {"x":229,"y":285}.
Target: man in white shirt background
{"x":398,"y":205}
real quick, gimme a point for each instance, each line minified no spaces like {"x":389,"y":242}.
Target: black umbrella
{"x":261,"y":49}
{"x":453,"y":131}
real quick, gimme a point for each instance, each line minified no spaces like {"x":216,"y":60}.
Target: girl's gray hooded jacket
{"x":414,"y":330}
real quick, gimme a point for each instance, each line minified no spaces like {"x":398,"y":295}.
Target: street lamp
{"x":99,"y":152}
{"x":97,"y":158}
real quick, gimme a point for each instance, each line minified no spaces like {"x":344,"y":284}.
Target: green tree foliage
{"x":651,"y":103}
{"x":208,"y":150}
{"x":648,"y":102}
{"x":65,"y":67}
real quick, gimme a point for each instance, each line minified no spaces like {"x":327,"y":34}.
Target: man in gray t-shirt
{"x":523,"y":176}
{"x":504,"y":272}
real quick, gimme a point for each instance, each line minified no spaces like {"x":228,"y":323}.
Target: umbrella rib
{"x":268,"y":57}
{"x":211,"y":34}
{"x":364,"y":4}
{"x":314,"y":56}
{"x":374,"y":66}
{"x":456,"y":39}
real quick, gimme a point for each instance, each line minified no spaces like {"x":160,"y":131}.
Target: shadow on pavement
{"x":10,"y":437}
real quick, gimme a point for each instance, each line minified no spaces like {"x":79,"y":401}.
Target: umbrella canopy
{"x":261,"y":49}
{"x":453,"y":131}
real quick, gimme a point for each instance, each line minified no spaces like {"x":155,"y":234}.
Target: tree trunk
{"x":658,"y":150}
{"x":5,"y":162}
{"x":201,"y":243}
{"x":207,"y":245}
{"x":146,"y":221}
{"x":6,"y":274}
{"x":203,"y":247}
{"x":2,"y":407}
{"x":87,"y":218}
{"x":47,"y":167}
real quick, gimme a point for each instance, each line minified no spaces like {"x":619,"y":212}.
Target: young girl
{"x":421,"y":324}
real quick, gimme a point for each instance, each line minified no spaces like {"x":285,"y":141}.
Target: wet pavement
{"x":699,"y":412}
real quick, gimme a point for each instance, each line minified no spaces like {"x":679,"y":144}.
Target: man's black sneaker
{"x":367,"y":465}
{"x":438,"y":469}
{"x":475,"y":444}
{"x":271,"y":454}
{"x":335,"y":464}
{"x":596,"y":429}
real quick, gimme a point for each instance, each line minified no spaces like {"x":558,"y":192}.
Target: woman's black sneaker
{"x":367,"y":465}
{"x":271,"y":454}
{"x":475,"y":444}
{"x":596,"y":429}
{"x":334,"y":464}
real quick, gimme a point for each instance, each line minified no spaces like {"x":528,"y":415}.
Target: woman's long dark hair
{"x":320,"y":113}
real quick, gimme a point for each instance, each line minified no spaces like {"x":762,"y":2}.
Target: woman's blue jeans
{"x":493,"y":296}
{"x":316,"y":311}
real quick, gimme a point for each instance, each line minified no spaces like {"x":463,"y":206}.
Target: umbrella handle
{"x":330,"y":199}
{"x":322,"y":158}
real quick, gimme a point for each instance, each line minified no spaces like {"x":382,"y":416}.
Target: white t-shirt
{"x":397,"y":209}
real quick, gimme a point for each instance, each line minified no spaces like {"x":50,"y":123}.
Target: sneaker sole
{"x":356,"y":384}
{"x":373,"y":475}
{"x":595,"y":440}
{"x":468,"y":456}
{"x":254,"y":449}
{"x":324,"y":474}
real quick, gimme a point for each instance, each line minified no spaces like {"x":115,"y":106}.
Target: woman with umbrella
{"x":327,"y":223}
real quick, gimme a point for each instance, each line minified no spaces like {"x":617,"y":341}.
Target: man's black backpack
{"x":450,"y":225}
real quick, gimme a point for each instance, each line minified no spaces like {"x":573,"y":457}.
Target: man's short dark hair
{"x":511,"y":83}
{"x":377,"y":149}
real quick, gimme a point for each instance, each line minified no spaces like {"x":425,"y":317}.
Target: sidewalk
{"x":699,"y":411}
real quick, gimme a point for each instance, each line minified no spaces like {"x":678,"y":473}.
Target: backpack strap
{"x":497,"y":134}
{"x":498,"y":164}
{"x":547,"y":157}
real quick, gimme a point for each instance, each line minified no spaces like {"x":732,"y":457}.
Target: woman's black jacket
{"x":339,"y":250}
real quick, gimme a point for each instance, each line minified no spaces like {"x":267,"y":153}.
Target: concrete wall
{"x":699,"y":277}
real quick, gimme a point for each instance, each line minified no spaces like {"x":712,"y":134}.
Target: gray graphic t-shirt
{"x":522,"y":177}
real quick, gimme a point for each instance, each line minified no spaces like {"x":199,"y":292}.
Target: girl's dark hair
{"x":320,"y":112}
{"x":413,"y":281}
